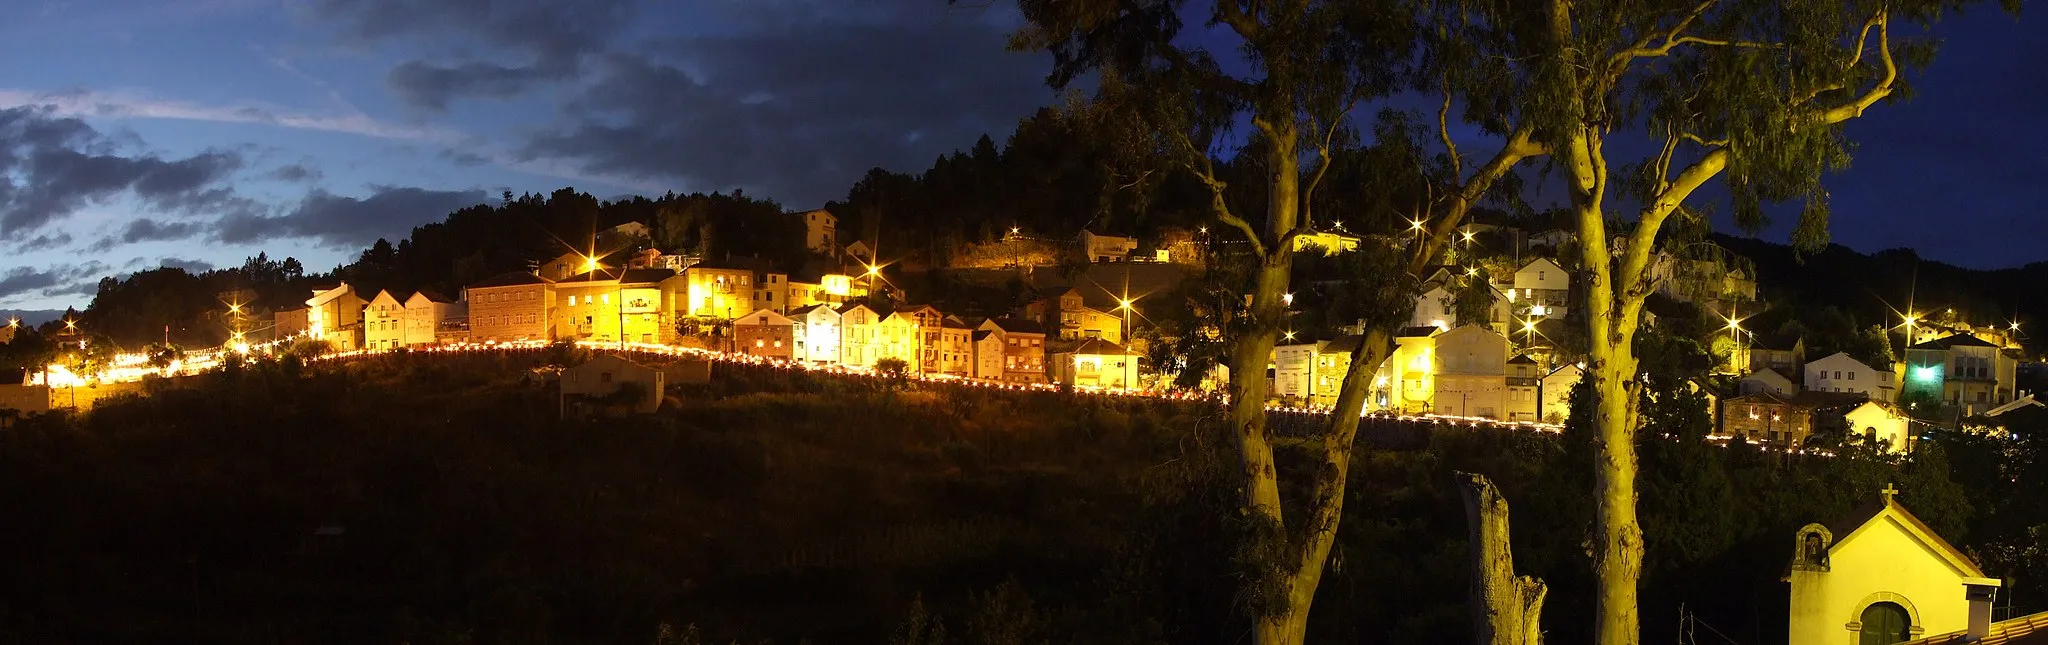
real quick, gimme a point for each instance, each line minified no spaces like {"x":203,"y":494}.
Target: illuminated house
{"x":1471,"y":373}
{"x":425,"y":313}
{"x":1294,"y":371}
{"x":1765,"y":380}
{"x":816,"y":329}
{"x":989,"y":354}
{"x":511,"y":307}
{"x":830,"y":289}
{"x":1076,"y":314}
{"x":771,"y":291}
{"x":1023,"y":349}
{"x":1405,"y":382}
{"x":1328,"y":242}
{"x":1437,"y":308}
{"x":384,"y":322}
{"x":717,"y":291}
{"x":821,"y":234}
{"x":766,"y":334}
{"x":1881,"y":575}
{"x":1781,"y":420}
{"x":1840,"y":373}
{"x":1107,"y":248}
{"x":860,"y":342}
{"x":929,"y":325}
{"x":956,"y":347}
{"x":1782,"y":354}
{"x":336,"y":315}
{"x":1961,"y":370}
{"x":1525,"y":380}
{"x":1095,"y":363}
{"x":290,"y":322}
{"x":1543,"y":288}
{"x":1881,"y":422}
{"x":900,"y":336}
{"x":614,"y":305}
{"x":1556,"y":391}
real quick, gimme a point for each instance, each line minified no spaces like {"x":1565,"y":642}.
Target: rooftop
{"x":513,"y":279}
{"x":1955,"y":340}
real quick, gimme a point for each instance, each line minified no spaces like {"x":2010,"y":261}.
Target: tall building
{"x":613,"y":305}
{"x":821,"y":232}
{"x":511,"y":307}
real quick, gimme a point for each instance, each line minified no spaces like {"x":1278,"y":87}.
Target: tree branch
{"x":1443,"y":129}
{"x":1204,"y":169}
{"x":1884,"y":86}
{"x":1228,"y":13}
{"x":1667,"y":201}
{"x":1308,"y":191}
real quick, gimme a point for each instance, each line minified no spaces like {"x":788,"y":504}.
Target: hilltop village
{"x":1491,"y":336}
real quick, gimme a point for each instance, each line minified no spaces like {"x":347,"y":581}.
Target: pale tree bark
{"x":1506,"y":609}
{"x":1618,"y":281}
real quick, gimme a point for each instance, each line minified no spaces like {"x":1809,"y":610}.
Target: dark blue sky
{"x":140,"y":133}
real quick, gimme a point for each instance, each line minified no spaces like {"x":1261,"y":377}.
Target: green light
{"x":1927,"y":373}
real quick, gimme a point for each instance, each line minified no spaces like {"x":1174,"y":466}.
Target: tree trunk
{"x":1281,"y":609}
{"x":1611,"y":366}
{"x":1506,"y":610}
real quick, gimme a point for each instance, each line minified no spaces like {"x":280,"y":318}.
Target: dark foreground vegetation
{"x":440,"y":500}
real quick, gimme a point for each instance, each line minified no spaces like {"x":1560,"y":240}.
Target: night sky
{"x":194,"y":133}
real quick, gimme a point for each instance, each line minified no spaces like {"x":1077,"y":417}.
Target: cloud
{"x":50,"y":167}
{"x":348,"y":221}
{"x":800,"y":111}
{"x":549,"y":39}
{"x":145,"y":229}
{"x":44,"y":242}
{"x":116,"y":105}
{"x":295,"y":172}
{"x":60,"y":280}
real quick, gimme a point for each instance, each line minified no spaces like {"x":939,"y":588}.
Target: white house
{"x":1095,"y":363}
{"x":1557,"y":391}
{"x":1294,"y":369}
{"x":1765,"y":380}
{"x":1543,"y":288}
{"x":1882,"y":576}
{"x":1883,"y":422}
{"x":1840,"y":373}
{"x":424,"y":312}
{"x":1107,"y":248}
{"x":1471,"y":373}
{"x":335,"y":315}
{"x":1437,"y":308}
{"x":816,"y":328}
{"x":384,"y":322}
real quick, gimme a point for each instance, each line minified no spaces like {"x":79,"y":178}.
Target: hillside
{"x":437,"y":499}
{"x":1872,"y":287}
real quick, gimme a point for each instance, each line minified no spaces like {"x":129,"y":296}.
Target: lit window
{"x":762,"y":344}
{"x":572,"y":301}
{"x":607,"y":298}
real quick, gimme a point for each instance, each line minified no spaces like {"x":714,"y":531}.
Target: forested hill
{"x":1869,"y":287}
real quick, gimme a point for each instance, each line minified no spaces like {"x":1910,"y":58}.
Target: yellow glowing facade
{"x":1890,"y":567}
{"x":719,"y":293}
{"x":600,"y":310}
{"x":1330,"y":243}
{"x":336,"y":316}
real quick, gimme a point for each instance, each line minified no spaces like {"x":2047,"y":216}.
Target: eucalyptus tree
{"x":1756,"y":90}
{"x":1294,"y":71}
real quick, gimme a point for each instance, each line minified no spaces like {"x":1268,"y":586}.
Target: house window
{"x":572,"y":301}
{"x":1852,"y":375}
{"x":605,"y":377}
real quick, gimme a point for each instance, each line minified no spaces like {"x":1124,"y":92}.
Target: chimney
{"x":1981,"y":592}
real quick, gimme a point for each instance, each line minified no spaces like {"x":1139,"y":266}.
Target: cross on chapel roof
{"x":1888,"y":492}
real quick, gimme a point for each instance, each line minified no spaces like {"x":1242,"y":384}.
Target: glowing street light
{"x":1287,"y":299}
{"x":1416,"y":225}
{"x":589,"y":264}
{"x":1290,"y":335}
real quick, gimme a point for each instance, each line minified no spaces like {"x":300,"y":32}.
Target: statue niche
{"x":1810,"y":550}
